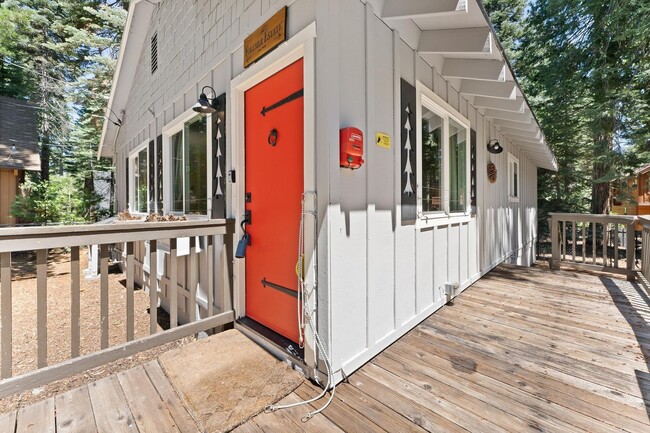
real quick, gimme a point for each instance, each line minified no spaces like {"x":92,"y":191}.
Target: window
{"x":443,"y":168}
{"x":139,"y":187}
{"x":513,"y":178}
{"x":188,"y":163}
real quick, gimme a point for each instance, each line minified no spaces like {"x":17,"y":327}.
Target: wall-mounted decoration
{"x":159,"y":172}
{"x":219,"y":157}
{"x":472,"y":170}
{"x":268,"y":36}
{"x":408,"y":165}
{"x":492,"y":172}
{"x":152,"y":176}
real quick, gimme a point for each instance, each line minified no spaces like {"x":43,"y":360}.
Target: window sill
{"x":513,"y":199}
{"x":442,"y":219}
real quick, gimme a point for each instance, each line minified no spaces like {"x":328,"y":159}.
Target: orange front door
{"x":274,"y":187}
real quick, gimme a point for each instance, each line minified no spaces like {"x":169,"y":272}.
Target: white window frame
{"x":173,"y":127}
{"x":433,"y":102}
{"x":132,"y":189}
{"x":513,"y":169}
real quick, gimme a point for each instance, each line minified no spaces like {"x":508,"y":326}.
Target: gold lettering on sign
{"x":268,"y":36}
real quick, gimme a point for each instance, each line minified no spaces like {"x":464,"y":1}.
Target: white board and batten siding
{"x":377,"y":277}
{"x":385,"y":276}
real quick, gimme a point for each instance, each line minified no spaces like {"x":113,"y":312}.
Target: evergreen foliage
{"x":61,"y":55}
{"x":585,"y":69}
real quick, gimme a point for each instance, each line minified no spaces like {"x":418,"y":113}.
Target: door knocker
{"x":273,"y":137}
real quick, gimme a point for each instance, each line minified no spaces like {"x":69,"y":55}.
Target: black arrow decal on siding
{"x":281,"y":102}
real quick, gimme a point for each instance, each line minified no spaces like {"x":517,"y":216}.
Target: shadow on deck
{"x":523,"y":349}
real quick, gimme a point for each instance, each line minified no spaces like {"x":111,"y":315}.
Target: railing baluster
{"x":564,"y":240}
{"x":594,"y":241}
{"x":153,"y":287}
{"x":75,"y":303}
{"x":629,"y":250}
{"x":584,"y":244}
{"x":103,"y":301}
{"x":130,"y":286}
{"x":173,"y":283}
{"x":605,"y":242}
{"x":573,"y":237}
{"x":41,"y":307}
{"x":210,"y":273}
{"x":192,"y":280}
{"x":6,"y":302}
{"x":616,"y":254}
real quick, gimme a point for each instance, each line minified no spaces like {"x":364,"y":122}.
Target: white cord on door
{"x":305,"y":311}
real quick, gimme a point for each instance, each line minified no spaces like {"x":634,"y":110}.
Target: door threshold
{"x":278,"y":345}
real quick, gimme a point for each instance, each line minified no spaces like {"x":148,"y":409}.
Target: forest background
{"x":583,"y":64}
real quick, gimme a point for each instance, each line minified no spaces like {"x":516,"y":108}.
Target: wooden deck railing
{"x":603,"y":242}
{"x":129,"y":237}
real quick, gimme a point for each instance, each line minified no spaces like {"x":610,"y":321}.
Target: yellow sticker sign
{"x":383,"y":140}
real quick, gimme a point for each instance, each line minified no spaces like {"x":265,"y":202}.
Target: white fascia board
{"x":505,"y":90}
{"x":135,"y":31}
{"x":396,"y":9}
{"x":475,"y":69}
{"x":525,"y":117}
{"x":516,"y":106}
{"x":477,"y":40}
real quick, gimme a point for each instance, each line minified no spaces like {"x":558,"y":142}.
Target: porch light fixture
{"x":494,"y":146}
{"x":206,"y":105}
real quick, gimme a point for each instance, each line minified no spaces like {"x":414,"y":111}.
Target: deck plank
{"x":317,"y":424}
{"x":112,"y":413}
{"x":37,"y":418}
{"x":74,"y":413}
{"x":149,"y":411}
{"x":8,"y":422}
{"x":183,"y":419}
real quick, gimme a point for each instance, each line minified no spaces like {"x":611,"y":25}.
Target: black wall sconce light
{"x":494,"y":146}
{"x":206,"y":105}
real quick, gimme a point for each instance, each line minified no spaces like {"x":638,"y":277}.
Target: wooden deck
{"x":521,"y":350}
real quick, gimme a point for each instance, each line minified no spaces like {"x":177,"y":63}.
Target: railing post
{"x":555,"y":244}
{"x":173,"y":283}
{"x":630,"y":250}
{"x":5,"y":310}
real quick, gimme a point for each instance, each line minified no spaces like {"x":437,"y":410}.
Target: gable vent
{"x":154,"y":53}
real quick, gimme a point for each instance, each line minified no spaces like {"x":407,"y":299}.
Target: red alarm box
{"x":351,"y":148}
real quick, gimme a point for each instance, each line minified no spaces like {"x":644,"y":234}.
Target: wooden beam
{"x":518,"y":105}
{"x":457,"y":41}
{"x":507,"y":90}
{"x":475,"y":69}
{"x":395,"y":9}
{"x":525,"y":117}
{"x":67,"y":368}
{"x":524,"y":126}
{"x":519,"y":139}
{"x":535,"y":134}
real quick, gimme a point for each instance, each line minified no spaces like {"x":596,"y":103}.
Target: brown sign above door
{"x":268,"y":36}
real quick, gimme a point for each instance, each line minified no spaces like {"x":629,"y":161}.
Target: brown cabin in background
{"x":632,"y":195}
{"x":18,"y":150}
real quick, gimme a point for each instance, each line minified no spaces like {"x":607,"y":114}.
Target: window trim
{"x":171,"y":128}
{"x":511,"y":161}
{"x":433,"y":102}
{"x":131,"y":205}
